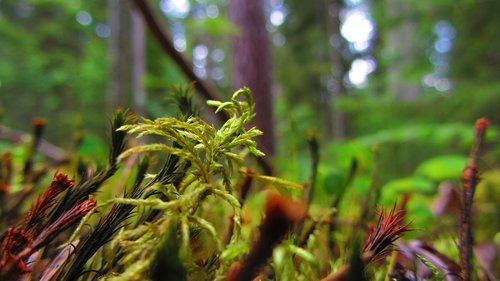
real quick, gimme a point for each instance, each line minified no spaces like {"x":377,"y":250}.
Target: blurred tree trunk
{"x":126,"y":53}
{"x":404,"y":48}
{"x":378,"y":81}
{"x":119,"y":53}
{"x":335,"y":88}
{"x":138,"y":63}
{"x":252,"y":63}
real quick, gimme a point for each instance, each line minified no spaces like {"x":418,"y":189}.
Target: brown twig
{"x":470,"y":179}
{"x":161,"y":35}
{"x":51,"y":151}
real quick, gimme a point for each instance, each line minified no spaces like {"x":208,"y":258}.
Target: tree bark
{"x":126,"y":53}
{"x":401,"y":40}
{"x":338,"y":130}
{"x":138,"y":63}
{"x":120,"y":54}
{"x":252,"y":63}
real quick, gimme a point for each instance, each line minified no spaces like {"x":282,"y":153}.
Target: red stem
{"x":470,"y":179}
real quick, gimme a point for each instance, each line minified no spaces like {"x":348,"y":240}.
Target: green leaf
{"x":218,"y":26}
{"x":214,"y":103}
{"x":256,"y":152}
{"x":234,"y":250}
{"x":224,"y":106}
{"x":443,"y":167}
{"x":333,"y":182}
{"x":283,"y":263}
{"x":279,"y":182}
{"x":436,"y":274}
{"x":155,"y":147}
{"x":393,"y":189}
{"x":304,"y":254}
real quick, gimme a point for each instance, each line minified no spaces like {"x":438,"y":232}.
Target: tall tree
{"x":475,"y":57}
{"x":119,"y":53}
{"x":252,"y":63}
{"x":126,"y":54}
{"x":315,"y":58}
{"x":340,"y":64}
{"x":51,"y":65}
{"x":138,"y":63}
{"x":402,"y":44}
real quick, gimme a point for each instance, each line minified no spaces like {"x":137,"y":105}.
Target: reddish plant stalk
{"x":38,"y":125}
{"x":389,"y":228}
{"x":36,"y":217}
{"x":12,"y":244}
{"x":67,"y":219}
{"x":6,"y":170}
{"x":470,"y":179}
{"x":37,"y":229}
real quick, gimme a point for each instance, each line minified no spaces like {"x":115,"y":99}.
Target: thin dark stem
{"x":314,"y":150}
{"x":160,"y":34}
{"x":52,"y":152}
{"x":336,"y":202}
{"x":470,"y":179}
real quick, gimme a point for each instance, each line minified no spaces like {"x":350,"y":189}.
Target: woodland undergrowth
{"x":189,"y":203}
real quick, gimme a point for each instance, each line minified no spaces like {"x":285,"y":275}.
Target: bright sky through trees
{"x":357,"y":28}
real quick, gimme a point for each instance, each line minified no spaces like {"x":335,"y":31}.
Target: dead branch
{"x":52,"y":152}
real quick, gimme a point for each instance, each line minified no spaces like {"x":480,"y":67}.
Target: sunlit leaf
{"x":443,"y":167}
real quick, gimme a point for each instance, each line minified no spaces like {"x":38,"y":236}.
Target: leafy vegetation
{"x":192,"y":209}
{"x":358,"y":161}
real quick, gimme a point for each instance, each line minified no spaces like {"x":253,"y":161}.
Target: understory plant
{"x":189,"y":204}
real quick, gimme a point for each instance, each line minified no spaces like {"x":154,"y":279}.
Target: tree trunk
{"x":337,"y":118}
{"x":401,"y":40}
{"x":252,"y":63}
{"x":119,"y":54}
{"x":138,"y":63}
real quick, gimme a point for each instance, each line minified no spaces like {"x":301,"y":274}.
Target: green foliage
{"x":215,"y":27}
{"x":56,"y":68}
{"x":213,"y":159}
{"x":283,"y":260}
{"x":446,"y":167}
{"x":173,"y":217}
{"x":436,"y":274}
{"x":195,"y":137}
{"x":167,"y":264}
{"x":412,"y":184}
{"x":52,"y":65}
